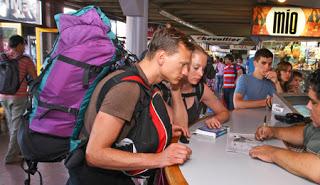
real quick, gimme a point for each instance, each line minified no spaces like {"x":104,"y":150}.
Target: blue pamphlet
{"x":212,"y":132}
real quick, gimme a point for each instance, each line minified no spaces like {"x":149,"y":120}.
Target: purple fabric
{"x":83,"y":38}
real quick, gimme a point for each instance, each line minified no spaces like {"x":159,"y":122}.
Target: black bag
{"x":9,"y":75}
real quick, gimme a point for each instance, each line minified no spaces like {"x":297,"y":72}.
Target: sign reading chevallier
{"x":223,"y":40}
{"x":286,"y":21}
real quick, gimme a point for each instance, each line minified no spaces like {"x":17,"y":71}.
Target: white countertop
{"x":211,"y":164}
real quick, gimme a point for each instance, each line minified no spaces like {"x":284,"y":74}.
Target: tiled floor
{"x":52,"y":173}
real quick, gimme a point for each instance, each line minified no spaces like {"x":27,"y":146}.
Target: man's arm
{"x":239,"y":103}
{"x":271,"y":75}
{"x":104,"y":133}
{"x":303,"y":164}
{"x":292,"y":135}
{"x":31,"y":69}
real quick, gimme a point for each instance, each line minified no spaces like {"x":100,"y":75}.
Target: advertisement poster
{"x":6,"y":31}
{"x":26,"y":11}
{"x":286,"y":21}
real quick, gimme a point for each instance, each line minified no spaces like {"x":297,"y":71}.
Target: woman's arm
{"x":221,"y":112}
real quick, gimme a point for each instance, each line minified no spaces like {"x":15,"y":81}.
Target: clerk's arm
{"x":292,"y":135}
{"x":104,"y":133}
{"x":303,"y":164}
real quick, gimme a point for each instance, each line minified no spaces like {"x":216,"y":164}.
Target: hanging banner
{"x":241,"y":47}
{"x":286,"y":21}
{"x":26,"y":11}
{"x":218,"y":40}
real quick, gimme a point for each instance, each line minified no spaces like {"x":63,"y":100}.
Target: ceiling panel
{"x":221,"y":17}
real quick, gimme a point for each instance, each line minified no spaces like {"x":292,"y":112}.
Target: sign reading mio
{"x":285,"y":22}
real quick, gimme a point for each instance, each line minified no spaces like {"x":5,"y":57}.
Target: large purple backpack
{"x":79,"y":55}
{"x":85,"y":51}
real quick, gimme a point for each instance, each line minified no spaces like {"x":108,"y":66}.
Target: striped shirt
{"x":229,"y":76}
{"x":26,"y":67}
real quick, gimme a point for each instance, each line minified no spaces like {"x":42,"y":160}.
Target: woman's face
{"x":197,"y":66}
{"x":285,"y":75}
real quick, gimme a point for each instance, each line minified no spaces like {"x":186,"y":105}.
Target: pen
{"x":265,"y":121}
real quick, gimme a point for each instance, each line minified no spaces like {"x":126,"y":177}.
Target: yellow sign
{"x":286,"y":21}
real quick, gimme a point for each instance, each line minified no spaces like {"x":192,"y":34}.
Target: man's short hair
{"x":15,"y":40}
{"x":168,"y":39}
{"x":314,"y":81}
{"x":230,"y":57}
{"x":264,"y":52}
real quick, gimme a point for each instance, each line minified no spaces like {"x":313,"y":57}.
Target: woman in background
{"x":284,"y":72}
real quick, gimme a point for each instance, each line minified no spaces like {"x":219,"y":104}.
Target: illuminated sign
{"x":27,"y":11}
{"x":223,"y":40}
{"x":286,"y":21}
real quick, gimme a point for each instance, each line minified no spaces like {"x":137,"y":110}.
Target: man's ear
{"x":161,"y":57}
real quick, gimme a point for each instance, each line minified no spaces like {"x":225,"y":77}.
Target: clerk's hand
{"x":175,"y":153}
{"x":264,"y":132}
{"x":178,"y":130}
{"x":264,"y":153}
{"x":213,"y":123}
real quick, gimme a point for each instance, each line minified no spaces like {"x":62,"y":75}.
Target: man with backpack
{"x":15,"y":67}
{"x":113,"y":119}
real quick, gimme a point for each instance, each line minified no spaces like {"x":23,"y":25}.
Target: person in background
{"x":15,"y":105}
{"x":239,"y":61}
{"x":210,"y":73}
{"x":219,"y":76}
{"x":230,"y":74}
{"x":307,"y":163}
{"x":294,"y":86}
{"x":194,"y":92}
{"x":284,"y":71}
{"x":250,"y":65}
{"x":256,"y":89}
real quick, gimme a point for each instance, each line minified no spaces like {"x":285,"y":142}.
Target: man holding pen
{"x":305,"y":164}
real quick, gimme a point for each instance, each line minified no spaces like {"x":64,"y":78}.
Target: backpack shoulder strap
{"x":199,"y":91}
{"x":128,"y":75}
{"x":235,"y":70}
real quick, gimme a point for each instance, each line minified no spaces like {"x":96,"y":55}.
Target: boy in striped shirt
{"x":230,"y":74}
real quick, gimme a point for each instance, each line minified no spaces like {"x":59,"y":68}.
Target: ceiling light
{"x":281,"y":1}
{"x":177,"y":19}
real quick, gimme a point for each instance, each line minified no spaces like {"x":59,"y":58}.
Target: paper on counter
{"x":241,"y":143}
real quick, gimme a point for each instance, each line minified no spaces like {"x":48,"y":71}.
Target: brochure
{"x":211,"y":132}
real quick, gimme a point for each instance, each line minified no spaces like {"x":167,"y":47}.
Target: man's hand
{"x":264,"y":132}
{"x":213,"y":123}
{"x":177,"y":130}
{"x":264,"y":153}
{"x":272,"y":75}
{"x":175,"y":154}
